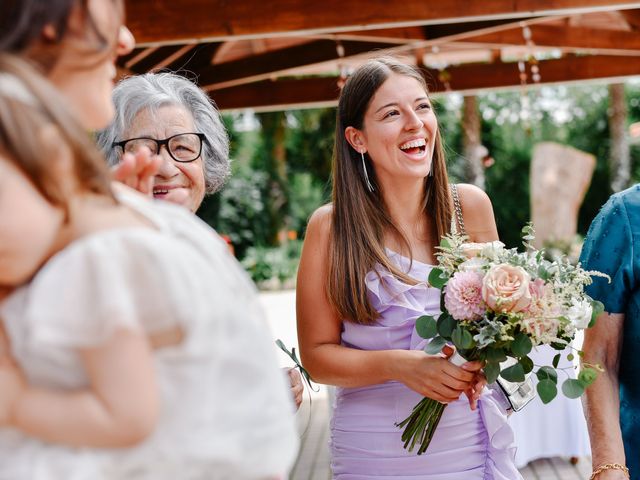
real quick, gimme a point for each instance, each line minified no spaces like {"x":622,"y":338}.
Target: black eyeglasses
{"x":183,"y":147}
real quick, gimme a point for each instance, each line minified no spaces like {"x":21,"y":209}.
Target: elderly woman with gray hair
{"x":158,"y":110}
{"x":174,"y":119}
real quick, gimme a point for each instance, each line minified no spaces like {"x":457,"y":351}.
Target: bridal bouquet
{"x":498,"y":303}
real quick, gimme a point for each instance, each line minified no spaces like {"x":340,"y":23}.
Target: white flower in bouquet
{"x":492,"y":250}
{"x":475,"y":264}
{"x":542,"y":329}
{"x":487,"y":249}
{"x":580,"y":314}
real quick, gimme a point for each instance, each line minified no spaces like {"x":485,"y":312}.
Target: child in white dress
{"x":135,"y":347}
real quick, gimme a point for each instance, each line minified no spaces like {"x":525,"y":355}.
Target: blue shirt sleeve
{"x":609,"y":248}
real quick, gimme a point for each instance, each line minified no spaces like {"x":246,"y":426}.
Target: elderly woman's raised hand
{"x":137,"y":170}
{"x":297,"y":387}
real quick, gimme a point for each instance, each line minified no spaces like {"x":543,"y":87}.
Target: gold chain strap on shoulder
{"x":609,"y":466}
{"x":457,"y":209}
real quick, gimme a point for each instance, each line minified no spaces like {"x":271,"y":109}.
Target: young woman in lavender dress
{"x":362,"y":284}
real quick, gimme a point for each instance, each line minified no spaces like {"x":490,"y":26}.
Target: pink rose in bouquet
{"x":506,"y":289}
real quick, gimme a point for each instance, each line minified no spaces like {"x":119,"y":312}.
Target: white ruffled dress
{"x":226,"y":411}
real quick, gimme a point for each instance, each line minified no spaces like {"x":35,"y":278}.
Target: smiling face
{"x":399,"y":130}
{"x":29,"y":226}
{"x":177,"y":182}
{"x":84,"y":71}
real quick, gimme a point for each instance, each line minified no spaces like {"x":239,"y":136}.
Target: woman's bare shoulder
{"x":320,"y":220}
{"x":477,"y":212}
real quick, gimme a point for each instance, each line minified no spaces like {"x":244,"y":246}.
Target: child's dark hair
{"x":28,"y":106}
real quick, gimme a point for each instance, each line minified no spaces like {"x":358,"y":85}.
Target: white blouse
{"x":226,"y":410}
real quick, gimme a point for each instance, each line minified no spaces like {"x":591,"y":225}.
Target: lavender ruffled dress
{"x":365,"y":443}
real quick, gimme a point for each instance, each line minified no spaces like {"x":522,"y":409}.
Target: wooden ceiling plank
{"x":301,"y":93}
{"x":280,"y":94}
{"x":196,"y":59}
{"x":398,"y":35}
{"x":632,"y":17}
{"x":131,"y":55}
{"x":449,"y":30}
{"x":168,"y":21}
{"x":154,"y":58}
{"x":567,"y":69}
{"x":260,"y":67}
{"x":175,"y":58}
{"x":568,"y":37}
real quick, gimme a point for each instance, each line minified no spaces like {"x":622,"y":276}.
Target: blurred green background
{"x":282,"y":161}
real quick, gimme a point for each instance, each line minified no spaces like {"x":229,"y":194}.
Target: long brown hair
{"x":28,"y":104}
{"x":360,"y":217}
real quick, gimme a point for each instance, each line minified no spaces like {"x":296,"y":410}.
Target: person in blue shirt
{"x":612,"y":403}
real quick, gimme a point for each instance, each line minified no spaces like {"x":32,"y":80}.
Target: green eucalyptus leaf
{"x":570,"y":357}
{"x":514,"y":373}
{"x":491,"y":371}
{"x":444,"y":243}
{"x":547,"y":390}
{"x":467,"y":340}
{"x":436,"y":279}
{"x":556,"y":360}
{"x":426,"y":326}
{"x":456,"y":337}
{"x":521,"y":345}
{"x":527,"y":364}
{"x":547,"y":373}
{"x":495,"y":355}
{"x":446,"y":325}
{"x":443,"y":307}
{"x":572,"y":388}
{"x":587,"y":376}
{"x":435,"y":345}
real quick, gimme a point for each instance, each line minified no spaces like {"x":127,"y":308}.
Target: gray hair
{"x":154,"y":90}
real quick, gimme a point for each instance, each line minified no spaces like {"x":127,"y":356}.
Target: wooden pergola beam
{"x":302,"y":93}
{"x":633,"y":19}
{"x":428,"y":32}
{"x":167,"y":21}
{"x":566,"y":37}
{"x":277,"y":62}
{"x":398,"y":35}
{"x":563,"y":70}
{"x":278,"y":95}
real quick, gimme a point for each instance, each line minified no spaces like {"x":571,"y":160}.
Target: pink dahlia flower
{"x":463,"y":296}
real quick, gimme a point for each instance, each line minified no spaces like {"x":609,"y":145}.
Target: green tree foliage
{"x":310,"y":139}
{"x":270,"y":157}
{"x":210,"y":209}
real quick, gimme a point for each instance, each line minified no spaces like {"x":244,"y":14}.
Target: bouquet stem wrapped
{"x":420,"y":426}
